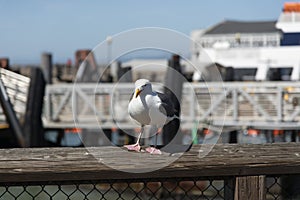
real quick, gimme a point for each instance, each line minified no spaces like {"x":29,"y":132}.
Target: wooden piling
{"x":173,"y":88}
{"x":33,"y":125}
{"x":46,"y":65}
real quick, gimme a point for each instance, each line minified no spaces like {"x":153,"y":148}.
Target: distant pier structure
{"x":4,"y":63}
{"x":268,"y":107}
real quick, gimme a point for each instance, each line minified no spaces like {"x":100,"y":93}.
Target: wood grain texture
{"x":78,"y":164}
{"x":250,"y":187}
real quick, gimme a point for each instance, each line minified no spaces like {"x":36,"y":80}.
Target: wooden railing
{"x":244,"y":167}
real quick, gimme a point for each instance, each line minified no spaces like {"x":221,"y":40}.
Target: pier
{"x":227,"y":106}
{"x":247,"y":172}
{"x":271,"y":105}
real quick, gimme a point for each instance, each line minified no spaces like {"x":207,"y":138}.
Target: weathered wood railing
{"x":242,"y":166}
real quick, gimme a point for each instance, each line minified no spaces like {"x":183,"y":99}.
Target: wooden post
{"x":233,"y":136}
{"x":250,"y":188}
{"x":33,"y":125}
{"x":46,"y":64}
{"x":173,"y":88}
{"x":124,"y":74}
{"x":229,"y":186}
{"x":290,"y":186}
{"x":4,"y":63}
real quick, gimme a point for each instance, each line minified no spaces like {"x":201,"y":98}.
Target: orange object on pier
{"x":291,"y":7}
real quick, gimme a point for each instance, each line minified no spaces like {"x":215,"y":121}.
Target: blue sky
{"x":31,"y":27}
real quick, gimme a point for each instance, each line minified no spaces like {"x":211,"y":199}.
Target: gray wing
{"x":166,"y":106}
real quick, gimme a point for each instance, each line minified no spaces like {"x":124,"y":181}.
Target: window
{"x":244,"y":74}
{"x":280,"y":74}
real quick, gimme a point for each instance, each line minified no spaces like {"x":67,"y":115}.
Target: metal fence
{"x":183,"y":188}
{"x":241,"y":104}
{"x":121,"y":189}
{"x":283,"y":187}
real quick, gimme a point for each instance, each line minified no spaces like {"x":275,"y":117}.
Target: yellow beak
{"x":137,"y":92}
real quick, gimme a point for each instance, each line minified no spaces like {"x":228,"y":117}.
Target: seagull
{"x":148,"y":107}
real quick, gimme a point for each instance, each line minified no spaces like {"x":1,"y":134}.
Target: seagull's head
{"x":142,"y":85}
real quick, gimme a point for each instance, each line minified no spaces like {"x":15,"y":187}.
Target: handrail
{"x":223,"y":160}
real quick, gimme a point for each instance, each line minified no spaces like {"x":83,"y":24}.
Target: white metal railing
{"x":17,"y":87}
{"x":241,"y":40}
{"x":289,"y":17}
{"x":263,"y":104}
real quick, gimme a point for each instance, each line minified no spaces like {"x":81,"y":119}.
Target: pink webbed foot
{"x":153,"y":150}
{"x":133,"y":147}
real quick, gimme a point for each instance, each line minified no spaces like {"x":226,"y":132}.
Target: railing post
{"x":279,"y":103}
{"x":235,"y":104}
{"x":250,"y":188}
{"x":229,"y":186}
{"x":193,"y":105}
{"x":48,"y":106}
{"x":75,"y":104}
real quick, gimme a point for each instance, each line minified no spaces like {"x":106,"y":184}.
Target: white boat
{"x":256,"y":50}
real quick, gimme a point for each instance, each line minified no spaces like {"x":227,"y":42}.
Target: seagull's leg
{"x":135,"y":147}
{"x":154,"y":150}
